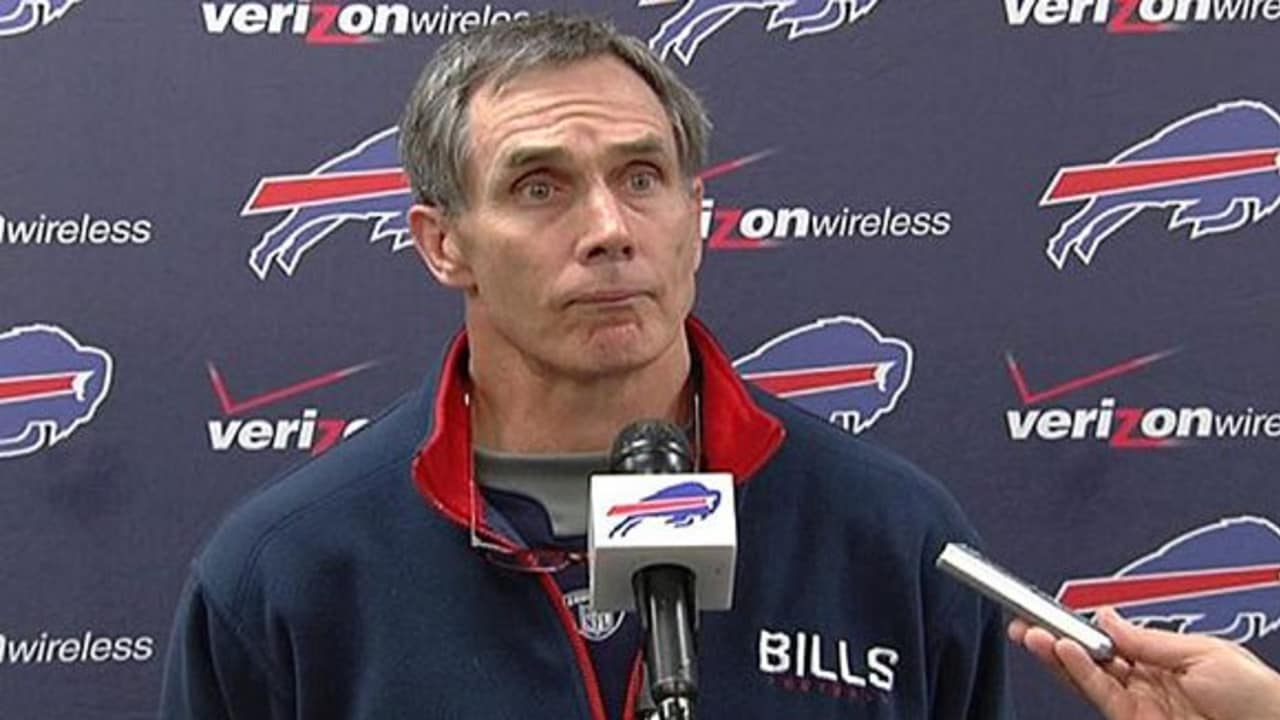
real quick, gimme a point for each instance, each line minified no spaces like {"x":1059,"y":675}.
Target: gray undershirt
{"x":557,"y":481}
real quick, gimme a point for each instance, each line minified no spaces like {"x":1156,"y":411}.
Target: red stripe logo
{"x":24,"y":388}
{"x":1083,"y":182}
{"x":1091,"y":594}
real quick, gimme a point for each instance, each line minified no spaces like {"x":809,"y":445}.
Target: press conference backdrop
{"x":1029,"y":244}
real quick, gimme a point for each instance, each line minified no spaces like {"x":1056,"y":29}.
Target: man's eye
{"x":536,"y":190}
{"x":642,"y":181}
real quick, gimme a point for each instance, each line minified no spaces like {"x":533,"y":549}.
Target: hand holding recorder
{"x":1127,"y":672}
{"x":1160,"y":675}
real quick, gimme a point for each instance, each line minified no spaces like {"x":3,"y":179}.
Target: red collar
{"x":739,"y":437}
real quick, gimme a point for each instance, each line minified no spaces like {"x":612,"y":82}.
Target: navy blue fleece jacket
{"x":349,"y":588}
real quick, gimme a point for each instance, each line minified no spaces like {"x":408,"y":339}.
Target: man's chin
{"x":622,"y":333}
{"x":615,"y":349}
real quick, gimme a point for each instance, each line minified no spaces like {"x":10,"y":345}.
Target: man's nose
{"x":606,"y":236}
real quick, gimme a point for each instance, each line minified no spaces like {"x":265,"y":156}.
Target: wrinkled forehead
{"x":515,"y":77}
{"x":531,"y":107}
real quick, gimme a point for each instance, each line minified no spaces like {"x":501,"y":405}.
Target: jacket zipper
{"x":634,"y":687}
{"x":579,"y":646}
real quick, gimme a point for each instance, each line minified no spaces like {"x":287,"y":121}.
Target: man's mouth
{"x":608,"y":297}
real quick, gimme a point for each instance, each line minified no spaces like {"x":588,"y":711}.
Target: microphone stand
{"x":670,"y":650}
{"x":664,"y":593}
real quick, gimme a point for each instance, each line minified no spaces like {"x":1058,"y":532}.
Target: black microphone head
{"x":651,"y":447}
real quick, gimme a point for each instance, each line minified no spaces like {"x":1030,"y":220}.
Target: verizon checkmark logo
{"x":1078,"y":383}
{"x":304,"y":431}
{"x":1123,"y":427}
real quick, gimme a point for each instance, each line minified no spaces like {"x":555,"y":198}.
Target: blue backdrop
{"x":1029,"y":244}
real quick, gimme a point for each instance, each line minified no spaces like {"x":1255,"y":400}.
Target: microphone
{"x":662,"y":540}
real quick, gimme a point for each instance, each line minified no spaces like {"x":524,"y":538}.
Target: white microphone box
{"x":684,"y":519}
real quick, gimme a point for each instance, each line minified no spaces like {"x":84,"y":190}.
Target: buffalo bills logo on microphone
{"x":1222,"y":579}
{"x":1218,"y":169}
{"x":50,"y":385}
{"x":839,"y":368}
{"x":680,"y":505}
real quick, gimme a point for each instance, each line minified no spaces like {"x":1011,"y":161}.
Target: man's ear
{"x":436,"y":239}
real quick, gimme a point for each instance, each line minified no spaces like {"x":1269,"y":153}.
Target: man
{"x":1160,"y":675}
{"x":430,"y":566}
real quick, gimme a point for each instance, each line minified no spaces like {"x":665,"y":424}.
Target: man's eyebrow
{"x":532,"y":155}
{"x":647,"y":145}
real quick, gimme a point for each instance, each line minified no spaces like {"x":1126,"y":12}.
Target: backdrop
{"x":1029,"y":244}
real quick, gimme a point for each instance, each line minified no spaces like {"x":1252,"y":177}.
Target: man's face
{"x":579,"y":242}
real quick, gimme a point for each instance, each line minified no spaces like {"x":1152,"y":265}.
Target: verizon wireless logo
{"x":1121,"y":426}
{"x":84,"y":649}
{"x":347,"y":24}
{"x":305,"y":430}
{"x":1128,"y":17}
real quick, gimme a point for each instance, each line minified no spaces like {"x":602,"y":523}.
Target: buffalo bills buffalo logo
{"x":362,"y":184}
{"x":23,"y":16}
{"x":50,"y":384}
{"x":680,"y":505}
{"x":696,"y":20}
{"x":1222,"y":579}
{"x":839,"y":368}
{"x":1217,"y":169}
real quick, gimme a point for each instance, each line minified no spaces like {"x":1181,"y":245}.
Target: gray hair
{"x":434,"y":142}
